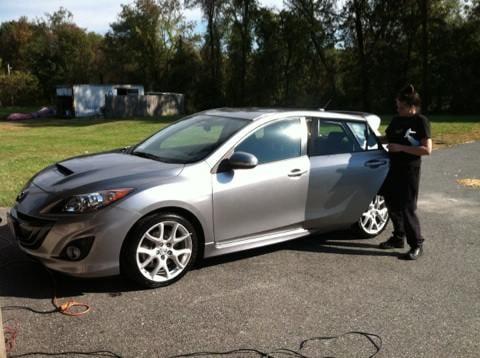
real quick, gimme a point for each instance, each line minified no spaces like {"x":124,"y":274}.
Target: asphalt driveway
{"x":278,"y":296}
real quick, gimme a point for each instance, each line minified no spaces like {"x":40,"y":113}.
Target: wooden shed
{"x":87,"y":100}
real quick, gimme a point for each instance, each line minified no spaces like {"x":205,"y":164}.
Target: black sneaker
{"x":413,"y":254}
{"x":392,"y":243}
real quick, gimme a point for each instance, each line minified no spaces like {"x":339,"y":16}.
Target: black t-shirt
{"x":407,"y":131}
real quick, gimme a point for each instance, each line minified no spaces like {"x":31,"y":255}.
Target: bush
{"x":18,"y":88}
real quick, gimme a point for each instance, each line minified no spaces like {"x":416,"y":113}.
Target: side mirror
{"x":242,"y":160}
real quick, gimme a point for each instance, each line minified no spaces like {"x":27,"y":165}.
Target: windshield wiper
{"x":155,"y":157}
{"x":146,"y":155}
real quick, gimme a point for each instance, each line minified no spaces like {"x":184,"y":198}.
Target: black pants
{"x":400,"y":191}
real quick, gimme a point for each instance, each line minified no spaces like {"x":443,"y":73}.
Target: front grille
{"x":30,"y":231}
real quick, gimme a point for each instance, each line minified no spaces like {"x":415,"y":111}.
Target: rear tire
{"x":374,"y":220}
{"x":159,"y":250}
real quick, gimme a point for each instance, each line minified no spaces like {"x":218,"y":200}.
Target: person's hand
{"x":393,"y":147}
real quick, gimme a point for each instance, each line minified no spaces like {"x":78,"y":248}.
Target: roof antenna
{"x":326,"y":104}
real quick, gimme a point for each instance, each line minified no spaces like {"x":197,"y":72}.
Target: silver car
{"x":213,"y":183}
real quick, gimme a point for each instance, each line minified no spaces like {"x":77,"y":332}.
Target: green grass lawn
{"x":447,"y":129}
{"x":29,"y":146}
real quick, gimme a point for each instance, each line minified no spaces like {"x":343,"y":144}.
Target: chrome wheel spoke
{"x":173,"y":233}
{"x":380,"y":203}
{"x":383,"y":213}
{"x":153,"y":238}
{"x":177,"y":262}
{"x":168,"y":274}
{"x":147,"y":261}
{"x":146,"y":251}
{"x":156,"y":269}
{"x":182,"y":252}
{"x":176,"y":257}
{"x":375,"y":218}
{"x":372,"y":223}
{"x":164,"y":251}
{"x":177,"y":240}
{"x":161,"y":228}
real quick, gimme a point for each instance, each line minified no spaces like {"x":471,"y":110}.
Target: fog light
{"x":73,"y":253}
{"x":78,"y":249}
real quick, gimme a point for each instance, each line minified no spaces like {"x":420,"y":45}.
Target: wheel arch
{"x":181,"y":212}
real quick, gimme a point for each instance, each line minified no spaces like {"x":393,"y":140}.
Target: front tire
{"x":159,"y":250}
{"x":374,"y":220}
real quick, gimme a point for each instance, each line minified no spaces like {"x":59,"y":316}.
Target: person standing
{"x":409,"y":138}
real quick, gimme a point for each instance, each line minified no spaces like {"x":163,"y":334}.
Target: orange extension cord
{"x":67,"y":308}
{"x":64,"y":308}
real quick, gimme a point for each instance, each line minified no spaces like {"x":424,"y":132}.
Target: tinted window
{"x":330,"y":137}
{"x":365,"y":138}
{"x":277,"y":141}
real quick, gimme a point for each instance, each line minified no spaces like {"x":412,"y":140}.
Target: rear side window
{"x":329,"y":137}
{"x":363,"y":135}
{"x":277,"y":141}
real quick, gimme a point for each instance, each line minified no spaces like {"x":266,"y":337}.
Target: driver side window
{"x":277,"y":141}
{"x":329,"y":137}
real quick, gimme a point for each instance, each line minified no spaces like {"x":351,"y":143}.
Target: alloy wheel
{"x":164,"y":251}
{"x":375,"y":218}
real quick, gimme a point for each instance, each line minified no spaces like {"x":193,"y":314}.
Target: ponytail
{"x":409,"y":96}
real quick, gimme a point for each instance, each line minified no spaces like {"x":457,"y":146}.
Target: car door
{"x":271,"y":196}
{"x":347,"y":167}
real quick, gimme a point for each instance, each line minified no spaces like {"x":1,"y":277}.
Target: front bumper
{"x":46,"y":238}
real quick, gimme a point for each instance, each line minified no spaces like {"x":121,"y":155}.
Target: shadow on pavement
{"x":22,"y":278}
{"x":331,"y":243}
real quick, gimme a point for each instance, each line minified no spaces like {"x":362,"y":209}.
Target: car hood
{"x":104,"y":171}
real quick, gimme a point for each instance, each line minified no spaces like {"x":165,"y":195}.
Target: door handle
{"x":296,"y":172}
{"x":375,"y":163}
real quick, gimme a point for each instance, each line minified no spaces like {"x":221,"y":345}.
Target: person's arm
{"x":382,"y":139}
{"x":425,"y":148}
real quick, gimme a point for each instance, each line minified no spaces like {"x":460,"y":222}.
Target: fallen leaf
{"x":473,"y":183}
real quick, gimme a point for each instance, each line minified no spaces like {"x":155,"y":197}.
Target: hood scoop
{"x":63,"y":170}
{"x":103,"y":171}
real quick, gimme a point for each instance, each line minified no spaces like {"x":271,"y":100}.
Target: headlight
{"x":90,"y":202}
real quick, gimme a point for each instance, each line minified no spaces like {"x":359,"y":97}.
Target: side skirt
{"x":222,"y":248}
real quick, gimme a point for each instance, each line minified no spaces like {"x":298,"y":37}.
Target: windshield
{"x":189,"y":140}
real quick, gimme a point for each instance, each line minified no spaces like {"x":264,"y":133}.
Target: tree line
{"x":353,"y":54}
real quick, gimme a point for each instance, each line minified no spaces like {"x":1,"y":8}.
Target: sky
{"x":94,"y":15}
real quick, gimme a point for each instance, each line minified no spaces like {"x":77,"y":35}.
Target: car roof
{"x":256,"y":113}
